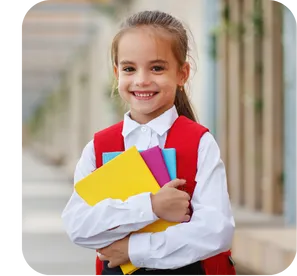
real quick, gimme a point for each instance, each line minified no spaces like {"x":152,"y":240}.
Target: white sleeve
{"x":109,"y":220}
{"x":210,"y":230}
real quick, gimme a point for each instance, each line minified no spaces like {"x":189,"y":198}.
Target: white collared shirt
{"x":209,"y":232}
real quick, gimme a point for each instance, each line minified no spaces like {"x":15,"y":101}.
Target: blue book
{"x":169,"y":156}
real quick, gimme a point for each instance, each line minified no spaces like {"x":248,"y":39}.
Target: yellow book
{"x":124,"y":176}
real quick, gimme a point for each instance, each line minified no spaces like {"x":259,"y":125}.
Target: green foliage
{"x":236,"y":30}
{"x":257,"y":19}
{"x":37,"y":120}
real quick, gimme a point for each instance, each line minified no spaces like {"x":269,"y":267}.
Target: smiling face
{"x":148,"y":73}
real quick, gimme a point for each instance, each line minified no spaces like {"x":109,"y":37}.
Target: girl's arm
{"x":210,"y":230}
{"x":108,"y":221}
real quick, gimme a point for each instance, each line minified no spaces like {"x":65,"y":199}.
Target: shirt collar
{"x":160,"y":124}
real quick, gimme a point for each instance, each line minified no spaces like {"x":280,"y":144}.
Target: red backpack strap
{"x":185,"y":136}
{"x":98,"y":266}
{"x":221,"y":264}
{"x":107,"y":140}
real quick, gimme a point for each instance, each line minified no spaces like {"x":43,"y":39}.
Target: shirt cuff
{"x":139,"y":246}
{"x":142,"y":205}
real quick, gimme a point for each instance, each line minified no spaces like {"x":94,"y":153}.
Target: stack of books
{"x":128,"y":173}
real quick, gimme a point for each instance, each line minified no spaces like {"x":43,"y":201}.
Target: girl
{"x":149,"y":56}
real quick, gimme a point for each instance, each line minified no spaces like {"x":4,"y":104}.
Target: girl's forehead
{"x":144,"y":42}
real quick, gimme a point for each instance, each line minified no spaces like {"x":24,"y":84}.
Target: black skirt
{"x":192,"y":269}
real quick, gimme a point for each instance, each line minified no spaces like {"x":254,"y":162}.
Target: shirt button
{"x":141,"y":214}
{"x":143,"y":129}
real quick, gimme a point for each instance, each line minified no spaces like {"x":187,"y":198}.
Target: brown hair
{"x":180,"y":48}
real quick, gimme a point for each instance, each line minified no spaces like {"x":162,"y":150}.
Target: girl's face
{"x":148,"y":73}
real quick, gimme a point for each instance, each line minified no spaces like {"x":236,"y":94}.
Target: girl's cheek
{"x":122,"y":87}
{"x":123,"y":84}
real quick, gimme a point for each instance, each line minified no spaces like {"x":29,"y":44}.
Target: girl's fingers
{"x":103,"y":258}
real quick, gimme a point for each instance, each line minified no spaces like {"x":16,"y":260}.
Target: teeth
{"x":144,"y":95}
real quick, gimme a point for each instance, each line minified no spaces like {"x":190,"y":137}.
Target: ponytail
{"x":183,"y":105}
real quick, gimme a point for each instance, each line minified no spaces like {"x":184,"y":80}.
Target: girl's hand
{"x":171,"y":204}
{"x":116,"y":253}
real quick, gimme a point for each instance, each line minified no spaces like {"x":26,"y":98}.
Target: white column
{"x":289,"y":42}
{"x":100,"y":77}
{"x":73,"y":148}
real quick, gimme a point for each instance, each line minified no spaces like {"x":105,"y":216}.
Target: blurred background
{"x":244,"y":91}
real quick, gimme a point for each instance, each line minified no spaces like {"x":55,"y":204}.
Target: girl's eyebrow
{"x":125,"y":62}
{"x":159,"y":61}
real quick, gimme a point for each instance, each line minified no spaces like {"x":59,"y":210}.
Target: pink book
{"x":153,"y":157}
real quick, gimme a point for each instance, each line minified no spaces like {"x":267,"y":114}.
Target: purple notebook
{"x":153,"y":157}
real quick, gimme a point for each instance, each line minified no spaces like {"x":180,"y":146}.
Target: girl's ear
{"x":184,"y":73}
{"x":116,"y":72}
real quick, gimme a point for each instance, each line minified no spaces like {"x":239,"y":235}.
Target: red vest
{"x":184,"y":136}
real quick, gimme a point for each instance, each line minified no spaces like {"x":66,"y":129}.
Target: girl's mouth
{"x":144,"y":95}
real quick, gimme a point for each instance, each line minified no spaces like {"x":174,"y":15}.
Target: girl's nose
{"x":142,"y":79}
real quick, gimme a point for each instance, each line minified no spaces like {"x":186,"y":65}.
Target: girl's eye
{"x":157,"y":68}
{"x":128,"y":69}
